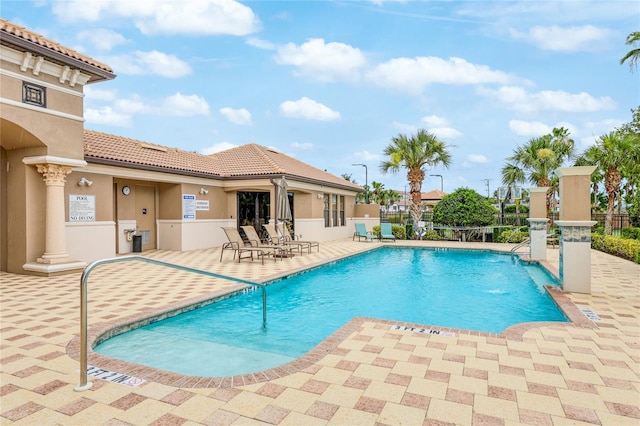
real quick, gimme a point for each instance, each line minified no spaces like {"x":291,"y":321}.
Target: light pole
{"x":441,"y":182}
{"x":366,"y":182}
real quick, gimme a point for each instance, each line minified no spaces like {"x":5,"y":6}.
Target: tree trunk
{"x":415,"y":178}
{"x":612,"y":186}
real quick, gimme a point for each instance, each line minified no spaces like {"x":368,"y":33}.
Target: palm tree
{"x":612,"y":153}
{"x":416,"y":154}
{"x":634,"y":54}
{"x":536,"y":161}
{"x":596,"y":176}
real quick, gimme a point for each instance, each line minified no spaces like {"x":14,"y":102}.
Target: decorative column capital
{"x":536,"y":189}
{"x":54,"y":174}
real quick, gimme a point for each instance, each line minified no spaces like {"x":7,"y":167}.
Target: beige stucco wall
{"x":575,"y":189}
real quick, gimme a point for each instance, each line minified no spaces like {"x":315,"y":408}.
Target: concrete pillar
{"x":575,"y":228}
{"x":55,"y":259}
{"x":55,"y":245}
{"x":538,"y":222}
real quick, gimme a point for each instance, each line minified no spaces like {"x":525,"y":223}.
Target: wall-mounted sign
{"x":188,"y":207}
{"x":82,"y":208}
{"x":202,"y":205}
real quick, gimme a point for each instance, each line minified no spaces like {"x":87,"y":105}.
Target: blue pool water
{"x":473,"y":290}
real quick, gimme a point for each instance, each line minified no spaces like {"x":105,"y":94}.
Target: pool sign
{"x":82,"y":208}
{"x":188,"y":207}
{"x":112,"y":376}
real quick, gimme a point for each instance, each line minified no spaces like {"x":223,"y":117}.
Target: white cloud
{"x":302,"y":145}
{"x":154,"y":62}
{"x":237,"y":116}
{"x":404,"y":128}
{"x":184,"y":105}
{"x":219,"y":147}
{"x":439,"y":127}
{"x":366,"y":156}
{"x":260,"y":44}
{"x":434,"y":121}
{"x":547,"y":100}
{"x":193,"y":17}
{"x":569,"y":39}
{"x":131,"y":106}
{"x":106,"y":115}
{"x":177,"y":105}
{"x":529,"y":128}
{"x":322,"y":61}
{"x":477,"y":159}
{"x":413,"y":75}
{"x":102,"y":39}
{"x":308,"y":109}
{"x":93,"y":94}
{"x":445,"y":132}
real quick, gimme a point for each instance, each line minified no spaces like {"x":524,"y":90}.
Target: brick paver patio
{"x":367,"y":373}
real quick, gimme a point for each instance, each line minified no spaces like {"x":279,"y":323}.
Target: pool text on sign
{"x":82,"y":208}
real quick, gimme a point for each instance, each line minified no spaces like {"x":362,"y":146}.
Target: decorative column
{"x":55,"y":243}
{"x":538,"y":222}
{"x":55,"y":258}
{"x":575,"y":228}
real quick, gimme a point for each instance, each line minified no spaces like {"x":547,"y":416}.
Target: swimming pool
{"x":477,"y":290}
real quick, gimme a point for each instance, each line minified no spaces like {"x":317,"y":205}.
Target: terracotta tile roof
{"x":9,"y":30}
{"x":247,"y":161}
{"x":104,"y":148}
{"x":436,"y":194}
{"x":256,"y":160}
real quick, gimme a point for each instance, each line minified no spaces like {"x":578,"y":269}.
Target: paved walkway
{"x":367,"y":373}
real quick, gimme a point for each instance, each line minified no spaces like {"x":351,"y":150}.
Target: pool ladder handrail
{"x":84,"y":349}
{"x":520,"y":244}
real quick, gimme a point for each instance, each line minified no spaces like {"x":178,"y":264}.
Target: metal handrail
{"x":521,"y":244}
{"x":84,"y":350}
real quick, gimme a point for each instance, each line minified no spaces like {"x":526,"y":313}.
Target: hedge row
{"x":398,"y":231}
{"x":626,"y":248}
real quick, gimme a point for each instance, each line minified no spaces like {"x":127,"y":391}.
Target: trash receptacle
{"x":137,"y":243}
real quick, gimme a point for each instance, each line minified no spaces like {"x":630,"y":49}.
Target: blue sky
{"x":331,"y":82}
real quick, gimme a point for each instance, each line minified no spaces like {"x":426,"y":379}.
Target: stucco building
{"x":70,"y":195}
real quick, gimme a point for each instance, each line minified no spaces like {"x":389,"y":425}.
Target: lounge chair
{"x":284,"y":230}
{"x":280,"y":240}
{"x":361,"y":232}
{"x":254,"y":241}
{"x":386,"y":232}
{"x":238,"y":246}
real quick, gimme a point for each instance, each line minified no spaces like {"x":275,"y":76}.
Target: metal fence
{"x":619,"y":221}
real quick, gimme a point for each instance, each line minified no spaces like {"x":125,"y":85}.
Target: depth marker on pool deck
{"x":112,"y":376}
{"x":423,"y":330}
{"x":589,"y":313}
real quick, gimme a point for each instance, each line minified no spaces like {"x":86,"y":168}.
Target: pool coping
{"x":104,"y":330}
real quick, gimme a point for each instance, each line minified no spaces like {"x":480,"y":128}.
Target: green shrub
{"x":464,"y":207}
{"x":511,"y":208}
{"x":622,"y":247}
{"x":399,"y":232}
{"x":512,"y":236}
{"x":409,"y":231}
{"x":631,"y":233}
{"x":431,"y":235}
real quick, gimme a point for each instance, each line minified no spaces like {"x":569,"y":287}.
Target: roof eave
{"x":139,"y":166}
{"x":19,"y":42}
